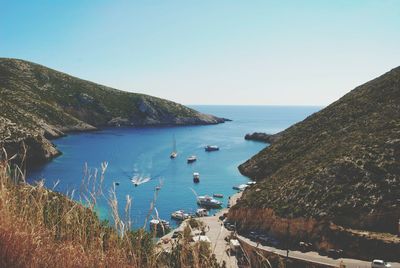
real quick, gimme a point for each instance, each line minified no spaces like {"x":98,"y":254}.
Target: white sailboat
{"x":174,"y":153}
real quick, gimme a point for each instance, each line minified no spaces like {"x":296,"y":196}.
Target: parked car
{"x":270,"y":241}
{"x":253,"y":235}
{"x":177,"y":234}
{"x":304,"y":246}
{"x":335,"y":253}
{"x":273,"y":242}
{"x":230,"y":227}
{"x":264,"y":239}
{"x":322,"y":252}
{"x":380,"y":264}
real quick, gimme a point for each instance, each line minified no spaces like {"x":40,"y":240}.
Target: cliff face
{"x":323,"y":235}
{"x":341,"y":164}
{"x":40,"y":103}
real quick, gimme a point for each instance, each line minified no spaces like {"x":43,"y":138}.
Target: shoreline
{"x":216,"y":232}
{"x":49,"y":151}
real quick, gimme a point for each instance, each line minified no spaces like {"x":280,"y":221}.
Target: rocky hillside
{"x":38,"y":103}
{"x":339,"y":165}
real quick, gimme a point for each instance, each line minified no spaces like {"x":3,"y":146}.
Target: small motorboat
{"x":211,"y":148}
{"x":116,"y":183}
{"x":218,"y":195}
{"x":139,"y":180}
{"x":196,"y":177}
{"x":240,"y":187}
{"x":208,"y":201}
{"x":158,"y":188}
{"x":180,"y":215}
{"x":201,"y":212}
{"x":191,"y":159}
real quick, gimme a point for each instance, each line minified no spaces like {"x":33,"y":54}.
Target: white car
{"x":380,"y":264}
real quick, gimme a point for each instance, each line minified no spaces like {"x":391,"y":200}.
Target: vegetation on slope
{"x":42,"y":228}
{"x":340,"y":164}
{"x":38,"y":103}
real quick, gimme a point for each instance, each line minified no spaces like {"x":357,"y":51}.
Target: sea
{"x":145,"y":153}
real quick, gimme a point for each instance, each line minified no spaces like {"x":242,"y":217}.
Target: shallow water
{"x":145,"y":152}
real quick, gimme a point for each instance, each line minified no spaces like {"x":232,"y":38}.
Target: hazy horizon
{"x":210,"y":53}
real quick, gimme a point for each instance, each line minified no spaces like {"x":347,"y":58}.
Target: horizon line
{"x":276,"y":105}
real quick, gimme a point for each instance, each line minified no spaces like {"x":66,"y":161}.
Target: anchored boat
{"x":208,"y":201}
{"x":211,"y":148}
{"x":191,"y":159}
{"x":180,"y":215}
{"x":240,"y":187}
{"x":196,"y":177}
{"x":201,"y":212}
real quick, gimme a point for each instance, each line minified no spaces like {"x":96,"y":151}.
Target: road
{"x":216,"y":232}
{"x":313,"y":256}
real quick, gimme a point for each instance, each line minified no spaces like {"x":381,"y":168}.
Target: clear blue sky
{"x":210,"y":52}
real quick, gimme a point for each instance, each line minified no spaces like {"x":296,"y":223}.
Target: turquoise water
{"x":145,"y":152}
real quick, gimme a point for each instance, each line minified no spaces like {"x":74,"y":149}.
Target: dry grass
{"x":42,"y":228}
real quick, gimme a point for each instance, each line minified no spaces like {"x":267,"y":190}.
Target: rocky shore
{"x":38,"y":104}
{"x":263,"y":137}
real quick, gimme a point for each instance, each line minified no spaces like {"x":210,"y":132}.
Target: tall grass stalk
{"x":43,"y":228}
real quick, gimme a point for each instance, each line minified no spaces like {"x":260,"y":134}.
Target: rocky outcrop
{"x":40,"y":103}
{"x":263,"y":137}
{"x":27,"y":145}
{"x":31,"y":151}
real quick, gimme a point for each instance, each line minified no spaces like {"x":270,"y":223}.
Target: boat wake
{"x":139,"y":180}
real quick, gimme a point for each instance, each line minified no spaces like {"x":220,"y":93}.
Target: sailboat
{"x":174,"y":153}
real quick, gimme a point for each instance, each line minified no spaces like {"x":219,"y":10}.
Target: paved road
{"x":314,"y":256}
{"x":217,"y":233}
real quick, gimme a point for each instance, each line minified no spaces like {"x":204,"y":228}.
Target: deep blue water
{"x":145,"y":152}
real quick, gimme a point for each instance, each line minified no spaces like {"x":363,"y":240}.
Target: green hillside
{"x":37,"y":103}
{"x":341,"y":164}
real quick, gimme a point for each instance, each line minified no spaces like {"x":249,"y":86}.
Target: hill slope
{"x":38,"y":103}
{"x":341,"y":164}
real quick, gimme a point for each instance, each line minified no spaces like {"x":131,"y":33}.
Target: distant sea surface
{"x":145,"y":152}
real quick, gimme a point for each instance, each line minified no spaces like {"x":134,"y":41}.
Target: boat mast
{"x":174,"y":145}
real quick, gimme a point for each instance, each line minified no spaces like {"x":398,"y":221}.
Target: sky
{"x":210,"y":51}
